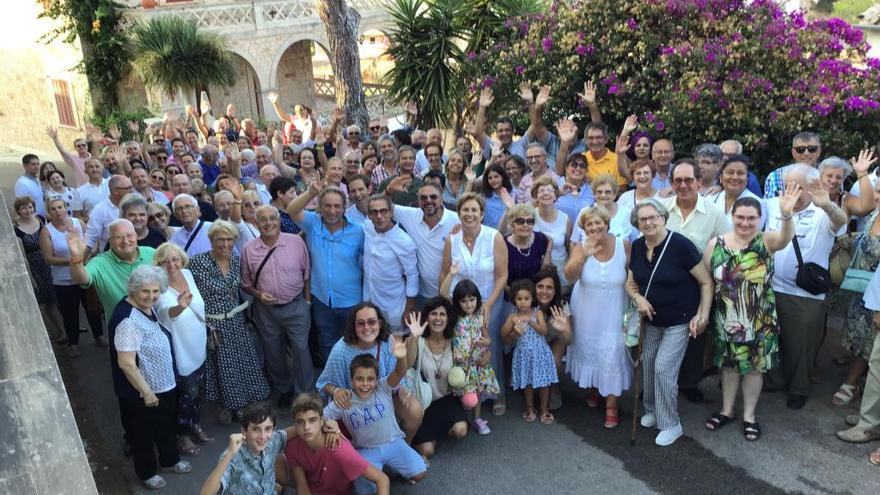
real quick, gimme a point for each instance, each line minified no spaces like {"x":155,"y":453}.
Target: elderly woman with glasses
{"x":672,"y":290}
{"x":181,"y":310}
{"x":233,"y":376}
{"x":605,"y":189}
{"x":144,"y":378}
{"x":552,"y":222}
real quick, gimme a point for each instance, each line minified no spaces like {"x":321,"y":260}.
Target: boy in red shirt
{"x":318,"y":470}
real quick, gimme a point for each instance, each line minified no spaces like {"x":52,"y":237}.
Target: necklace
{"x":437,"y":361}
{"x":528,"y":250}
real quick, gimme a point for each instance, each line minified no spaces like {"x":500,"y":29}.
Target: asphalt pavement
{"x":798,"y":452}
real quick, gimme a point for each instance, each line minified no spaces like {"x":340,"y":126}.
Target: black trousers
{"x":151,"y":429}
{"x":70,"y":298}
{"x":692,"y":367}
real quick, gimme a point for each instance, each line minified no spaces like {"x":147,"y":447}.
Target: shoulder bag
{"x":810,"y":276}
{"x":250,"y":313}
{"x":414,"y":383}
{"x":632,"y":320}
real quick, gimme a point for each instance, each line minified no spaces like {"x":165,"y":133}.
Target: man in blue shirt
{"x":336,"y":247}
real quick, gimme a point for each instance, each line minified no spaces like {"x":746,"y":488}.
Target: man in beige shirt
{"x":698,"y":220}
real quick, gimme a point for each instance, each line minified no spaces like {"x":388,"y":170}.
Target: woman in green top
{"x":743,"y":323}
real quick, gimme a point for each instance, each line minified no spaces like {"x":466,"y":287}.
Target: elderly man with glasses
{"x":193,"y":235}
{"x":805,"y":148}
{"x":105,"y":212}
{"x":536,"y":159}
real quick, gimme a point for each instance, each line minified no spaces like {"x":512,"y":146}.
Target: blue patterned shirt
{"x":253,"y":474}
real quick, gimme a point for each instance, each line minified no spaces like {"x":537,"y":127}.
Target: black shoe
{"x":285,"y":400}
{"x":796,"y":401}
{"x":693,"y":394}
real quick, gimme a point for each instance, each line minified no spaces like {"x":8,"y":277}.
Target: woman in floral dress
{"x":233,"y":372}
{"x":743,"y":324}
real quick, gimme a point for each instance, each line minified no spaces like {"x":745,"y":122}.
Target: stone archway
{"x":246,"y":93}
{"x":297,"y":78}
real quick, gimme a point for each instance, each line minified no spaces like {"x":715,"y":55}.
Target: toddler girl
{"x":533,"y":364}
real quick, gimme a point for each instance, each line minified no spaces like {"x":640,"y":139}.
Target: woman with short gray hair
{"x":144,"y":378}
{"x":672,"y":290}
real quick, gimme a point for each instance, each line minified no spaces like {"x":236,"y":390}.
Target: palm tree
{"x":169,"y":53}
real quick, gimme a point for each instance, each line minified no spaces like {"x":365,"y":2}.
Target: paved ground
{"x":797,"y":454}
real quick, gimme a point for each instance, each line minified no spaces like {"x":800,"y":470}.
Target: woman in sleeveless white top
{"x":597,"y":354}
{"x":480,"y":255}
{"x":61,"y":273}
{"x":559,"y":230}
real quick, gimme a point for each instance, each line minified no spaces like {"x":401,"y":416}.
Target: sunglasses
{"x":684,"y":180}
{"x":579,"y":164}
{"x":524,"y":221}
{"x":375,"y":128}
{"x":804,"y":149}
{"x":428,"y":197}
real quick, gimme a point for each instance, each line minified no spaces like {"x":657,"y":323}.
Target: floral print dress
{"x":743,"y":324}
{"x":858,"y":331}
{"x":466,"y":352}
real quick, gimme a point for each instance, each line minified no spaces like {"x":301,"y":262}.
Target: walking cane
{"x":638,"y":363}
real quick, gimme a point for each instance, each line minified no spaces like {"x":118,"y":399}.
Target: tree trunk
{"x":341,"y":24}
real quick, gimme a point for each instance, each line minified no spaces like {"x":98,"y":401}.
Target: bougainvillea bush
{"x":695,"y":71}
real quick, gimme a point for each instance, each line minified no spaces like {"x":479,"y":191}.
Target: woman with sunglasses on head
{"x":515,"y":167}
{"x":159,"y":182}
{"x":45,"y":169}
{"x":575,"y":193}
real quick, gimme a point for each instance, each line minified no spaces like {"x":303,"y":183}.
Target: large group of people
{"x":388,"y":287}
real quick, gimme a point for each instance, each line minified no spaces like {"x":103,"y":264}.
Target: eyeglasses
{"x":159,"y":141}
{"x":428,"y":197}
{"x":380,"y":212}
{"x":371,"y":322}
{"x":267,"y":219}
{"x":157,"y":177}
{"x":375,"y":128}
{"x":579,"y":164}
{"x":534,"y":158}
{"x":649,"y":219}
{"x":524,"y":221}
{"x":156,"y":216}
{"x":184,"y":207}
{"x":804,"y":149}
{"x":354,"y":133}
{"x":161,"y":158}
{"x":684,"y":180}
{"x":80,"y":145}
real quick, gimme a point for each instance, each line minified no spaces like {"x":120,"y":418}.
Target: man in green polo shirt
{"x":109,"y":271}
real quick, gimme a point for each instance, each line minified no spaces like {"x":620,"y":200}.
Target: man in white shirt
{"x":866,"y":424}
{"x":91,"y":193}
{"x":695,"y":218}
{"x":801,"y":315}
{"x":140,"y":180}
{"x":28,"y":185}
{"x":391,"y":276}
{"x":267,"y":173}
{"x":428,"y":226}
{"x":105,"y":212}
{"x":433,"y":136}
{"x":193,"y":235}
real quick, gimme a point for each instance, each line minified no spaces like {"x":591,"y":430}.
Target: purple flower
{"x":613,"y":89}
{"x":650,"y":117}
{"x":773,"y":116}
{"x":667,"y":51}
{"x":710,"y":58}
{"x":660,"y":125}
{"x":488,"y":81}
{"x":520,"y":69}
{"x":824,"y":89}
{"x":581,"y":50}
{"x":591,"y":49}
{"x":547,"y":44}
{"x":471,"y":55}
{"x":631,"y":24}
{"x":582,"y":36}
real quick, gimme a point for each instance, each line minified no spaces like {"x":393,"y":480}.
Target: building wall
{"x":295,"y":76}
{"x":243,"y":94}
{"x":27,"y":101}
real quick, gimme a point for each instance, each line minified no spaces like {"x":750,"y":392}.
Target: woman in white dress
{"x":553,"y":223}
{"x":605,"y":190}
{"x":597,"y":355}
{"x":480,"y":254}
{"x":181,"y":310}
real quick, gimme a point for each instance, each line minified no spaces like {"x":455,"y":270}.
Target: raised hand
{"x":622,"y":145}
{"x":113,"y":130}
{"x":469,"y":174}
{"x":236,"y":440}
{"x":863,"y":163}
{"x":543,"y":96}
{"x":190,"y":110}
{"x":412,"y":108}
{"x":237,"y":190}
{"x":557,"y":317}
{"x":476,"y":158}
{"x":589,"y":94}
{"x":525,"y":92}
{"x":504,"y":194}
{"x":590,"y":245}
{"x":398,"y":347}
{"x":487,"y":96}
{"x":230,"y":110}
{"x":789,"y":198}
{"x":320,"y":140}
{"x":337,"y":115}
{"x":567,"y":130}
{"x":76,"y":245}
{"x":272,"y":96}
{"x":184,"y":299}
{"x":415,"y":325}
{"x":631,"y":123}
{"x":133,"y":126}
{"x":819,"y":192}
{"x":317,"y":185}
{"x":52,"y":132}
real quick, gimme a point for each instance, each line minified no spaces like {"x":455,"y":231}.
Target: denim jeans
{"x":329,"y":323}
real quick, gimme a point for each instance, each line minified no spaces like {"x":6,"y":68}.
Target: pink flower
{"x":547,"y":44}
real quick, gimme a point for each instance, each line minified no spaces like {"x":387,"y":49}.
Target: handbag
{"x":418,"y":387}
{"x":632,"y":320}
{"x":841,"y":257}
{"x":856,"y":280}
{"x":214,"y":339}
{"x":811,"y":277}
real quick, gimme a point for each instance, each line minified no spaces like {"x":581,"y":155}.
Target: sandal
{"x":717,"y":421}
{"x":845,"y":394}
{"x":186,"y":447}
{"x":529,"y":416}
{"x":547,"y":418}
{"x":752,"y":431}
{"x":155,"y":482}
{"x":199,"y":436}
{"x":593,"y":399}
{"x":874,"y":458}
{"x":611,"y":418}
{"x":499,"y":407}
{"x":858,"y":435}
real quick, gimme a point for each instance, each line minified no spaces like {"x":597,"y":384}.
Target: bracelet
{"x":785,"y":219}
{"x":237,"y":202}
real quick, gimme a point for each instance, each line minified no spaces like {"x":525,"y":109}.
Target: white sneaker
{"x":648,"y":420}
{"x":669,"y":436}
{"x":156,"y":482}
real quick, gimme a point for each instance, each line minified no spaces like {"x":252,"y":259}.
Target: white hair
{"x":183,"y":197}
{"x":248,"y":155}
{"x":145,"y":275}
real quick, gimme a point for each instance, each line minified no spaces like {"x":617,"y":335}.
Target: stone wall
{"x":295,"y":76}
{"x":244,"y":94}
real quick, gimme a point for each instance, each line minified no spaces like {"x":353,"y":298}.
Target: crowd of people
{"x":395,"y":291}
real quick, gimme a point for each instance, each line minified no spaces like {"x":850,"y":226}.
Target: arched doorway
{"x":244,"y":94}
{"x":305,"y":76}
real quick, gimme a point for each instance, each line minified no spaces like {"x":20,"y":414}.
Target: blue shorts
{"x":397,"y":455}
